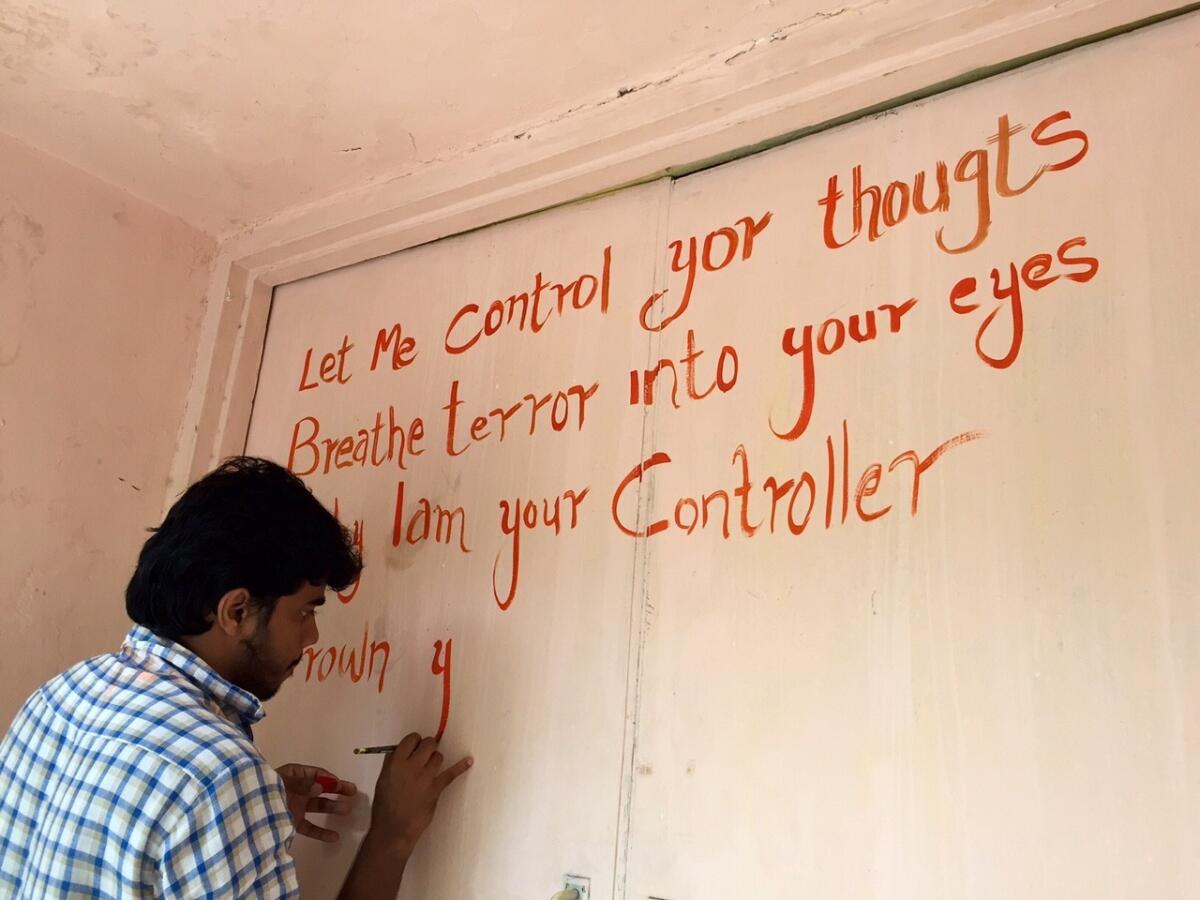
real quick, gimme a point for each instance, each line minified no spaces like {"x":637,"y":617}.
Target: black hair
{"x":248,"y":524}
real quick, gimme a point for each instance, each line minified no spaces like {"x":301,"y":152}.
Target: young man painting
{"x":134,"y":774}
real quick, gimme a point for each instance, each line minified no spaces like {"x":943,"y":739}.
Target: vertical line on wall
{"x":239,"y":302}
{"x":262,"y":355}
{"x":639,"y":624}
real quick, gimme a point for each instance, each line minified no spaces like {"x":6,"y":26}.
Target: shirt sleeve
{"x":26,"y":755}
{"x":233,"y":841}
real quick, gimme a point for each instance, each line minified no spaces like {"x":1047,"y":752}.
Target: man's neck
{"x":214,"y":649}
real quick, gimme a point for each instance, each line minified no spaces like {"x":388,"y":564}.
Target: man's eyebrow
{"x":317,"y":601}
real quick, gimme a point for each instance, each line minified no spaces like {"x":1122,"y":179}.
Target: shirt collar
{"x":149,"y":650}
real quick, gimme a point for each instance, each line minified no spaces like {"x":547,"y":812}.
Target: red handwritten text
{"x":442,"y":668}
{"x":1035,"y":274}
{"x":641,"y":383}
{"x":374,"y":446}
{"x":789,"y":501}
{"x":562,"y":407}
{"x":468,"y":325}
{"x":332,"y":367}
{"x":426,"y":520}
{"x":356,"y":536}
{"x":404,"y":349}
{"x":891,"y":206}
{"x":350,"y":662}
{"x":831,"y":336}
{"x":720,"y":248}
{"x":516,"y":515}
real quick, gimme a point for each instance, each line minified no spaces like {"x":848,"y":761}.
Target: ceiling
{"x":225,"y":113}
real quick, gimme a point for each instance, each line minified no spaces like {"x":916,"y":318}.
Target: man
{"x":134,"y":775}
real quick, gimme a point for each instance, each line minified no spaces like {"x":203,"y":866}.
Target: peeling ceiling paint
{"x":225,"y":113}
{"x":229,"y":114}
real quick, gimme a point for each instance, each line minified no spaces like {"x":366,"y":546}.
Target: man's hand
{"x":304,"y":796}
{"x":406,"y":797}
{"x":407,"y":792}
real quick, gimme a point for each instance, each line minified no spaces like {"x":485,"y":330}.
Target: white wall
{"x":101,"y":296}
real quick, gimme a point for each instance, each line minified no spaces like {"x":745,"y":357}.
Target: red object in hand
{"x":327,"y":782}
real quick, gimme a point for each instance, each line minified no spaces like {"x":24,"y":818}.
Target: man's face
{"x":276,"y":647}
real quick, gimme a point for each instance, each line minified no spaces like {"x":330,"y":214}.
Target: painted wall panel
{"x":490,"y":543}
{"x":884,"y":584}
{"x":986,"y":689}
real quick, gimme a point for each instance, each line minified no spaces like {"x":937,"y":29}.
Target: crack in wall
{"x":684,"y":70}
{"x":783,"y":32}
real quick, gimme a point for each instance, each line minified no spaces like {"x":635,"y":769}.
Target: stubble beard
{"x":260,"y":675}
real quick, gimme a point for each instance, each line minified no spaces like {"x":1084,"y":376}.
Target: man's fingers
{"x":435,"y":760}
{"x":308,"y":829}
{"x":330,"y":806}
{"x":297,"y":778}
{"x":424,"y":750}
{"x":444,"y":780}
{"x":331,"y":784}
{"x":406,"y":747}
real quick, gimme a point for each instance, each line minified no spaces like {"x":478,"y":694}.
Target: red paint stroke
{"x":443,"y":668}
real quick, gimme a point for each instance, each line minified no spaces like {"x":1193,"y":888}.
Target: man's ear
{"x":235,"y":613}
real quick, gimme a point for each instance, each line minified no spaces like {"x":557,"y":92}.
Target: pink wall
{"x":101,"y":297}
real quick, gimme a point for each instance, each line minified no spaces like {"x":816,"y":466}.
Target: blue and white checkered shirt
{"x":133,"y":775}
